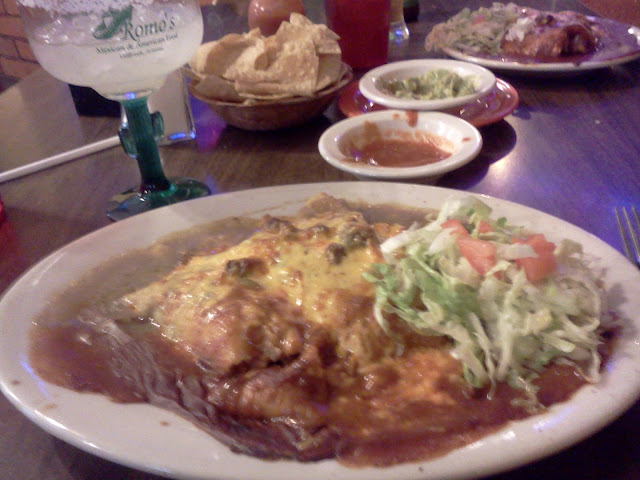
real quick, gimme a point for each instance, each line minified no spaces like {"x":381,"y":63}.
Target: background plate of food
{"x":534,"y":41}
{"x":157,"y":440}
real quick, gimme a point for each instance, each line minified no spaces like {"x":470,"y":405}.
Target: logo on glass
{"x":113,"y":21}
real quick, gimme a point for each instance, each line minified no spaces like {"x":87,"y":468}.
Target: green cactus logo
{"x":113,"y":21}
{"x":118,"y":23}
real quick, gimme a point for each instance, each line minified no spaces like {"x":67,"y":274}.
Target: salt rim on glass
{"x":78,"y":6}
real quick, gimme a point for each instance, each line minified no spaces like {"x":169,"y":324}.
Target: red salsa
{"x":395,"y":148}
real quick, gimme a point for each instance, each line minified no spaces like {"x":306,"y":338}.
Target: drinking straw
{"x":59,"y":158}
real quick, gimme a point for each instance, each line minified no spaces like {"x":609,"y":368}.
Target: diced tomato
{"x":484,"y":227}
{"x":540,"y":244}
{"x":480,"y":253}
{"x":455,"y":226}
{"x":478,"y":19}
{"x":537,"y":268}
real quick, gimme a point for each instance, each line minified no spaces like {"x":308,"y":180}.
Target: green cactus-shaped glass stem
{"x":139,"y":140}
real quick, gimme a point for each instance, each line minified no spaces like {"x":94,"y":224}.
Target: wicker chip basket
{"x":278,"y":114}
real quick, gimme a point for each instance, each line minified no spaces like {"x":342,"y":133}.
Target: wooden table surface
{"x":571,"y":149}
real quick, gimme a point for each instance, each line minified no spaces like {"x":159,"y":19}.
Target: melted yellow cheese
{"x":198,"y":304}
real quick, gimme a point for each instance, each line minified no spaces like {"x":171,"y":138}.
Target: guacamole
{"x":433,"y":85}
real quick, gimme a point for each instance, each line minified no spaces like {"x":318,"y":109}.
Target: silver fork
{"x":629,"y":227}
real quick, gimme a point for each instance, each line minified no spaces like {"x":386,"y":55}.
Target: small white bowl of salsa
{"x":396,"y":144}
{"x":430,"y":84}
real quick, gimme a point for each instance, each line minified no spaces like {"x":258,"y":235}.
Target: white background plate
{"x":369,"y":84}
{"x":134,"y":435}
{"x":466,"y":140}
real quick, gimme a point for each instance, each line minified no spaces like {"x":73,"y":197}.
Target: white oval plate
{"x":484,"y":82}
{"x":466,"y":140}
{"x":157,"y":441}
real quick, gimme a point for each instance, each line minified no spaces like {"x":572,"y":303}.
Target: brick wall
{"x":16,"y":58}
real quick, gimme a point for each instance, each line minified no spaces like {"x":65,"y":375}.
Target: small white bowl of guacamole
{"x":429,"y":84}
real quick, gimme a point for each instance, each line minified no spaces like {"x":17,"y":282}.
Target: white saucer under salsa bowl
{"x":371,"y":84}
{"x":458,"y":138}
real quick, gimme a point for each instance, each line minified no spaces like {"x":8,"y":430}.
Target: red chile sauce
{"x":411,"y":117}
{"x":396,"y":148}
{"x":71,"y":350}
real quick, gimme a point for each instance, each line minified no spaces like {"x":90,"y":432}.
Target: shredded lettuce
{"x":481,"y":30}
{"x":503,"y":328}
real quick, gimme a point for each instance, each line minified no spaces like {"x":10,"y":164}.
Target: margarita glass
{"x":124,"y":49}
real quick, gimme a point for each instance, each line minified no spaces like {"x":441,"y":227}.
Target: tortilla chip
{"x":293,"y":64}
{"x":256,"y":98}
{"x":329,"y":70}
{"x":325,"y":40}
{"x":212,"y":86}
{"x":215,"y":57}
{"x":268,"y":89}
{"x":253,"y":58}
{"x":299,"y":20}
